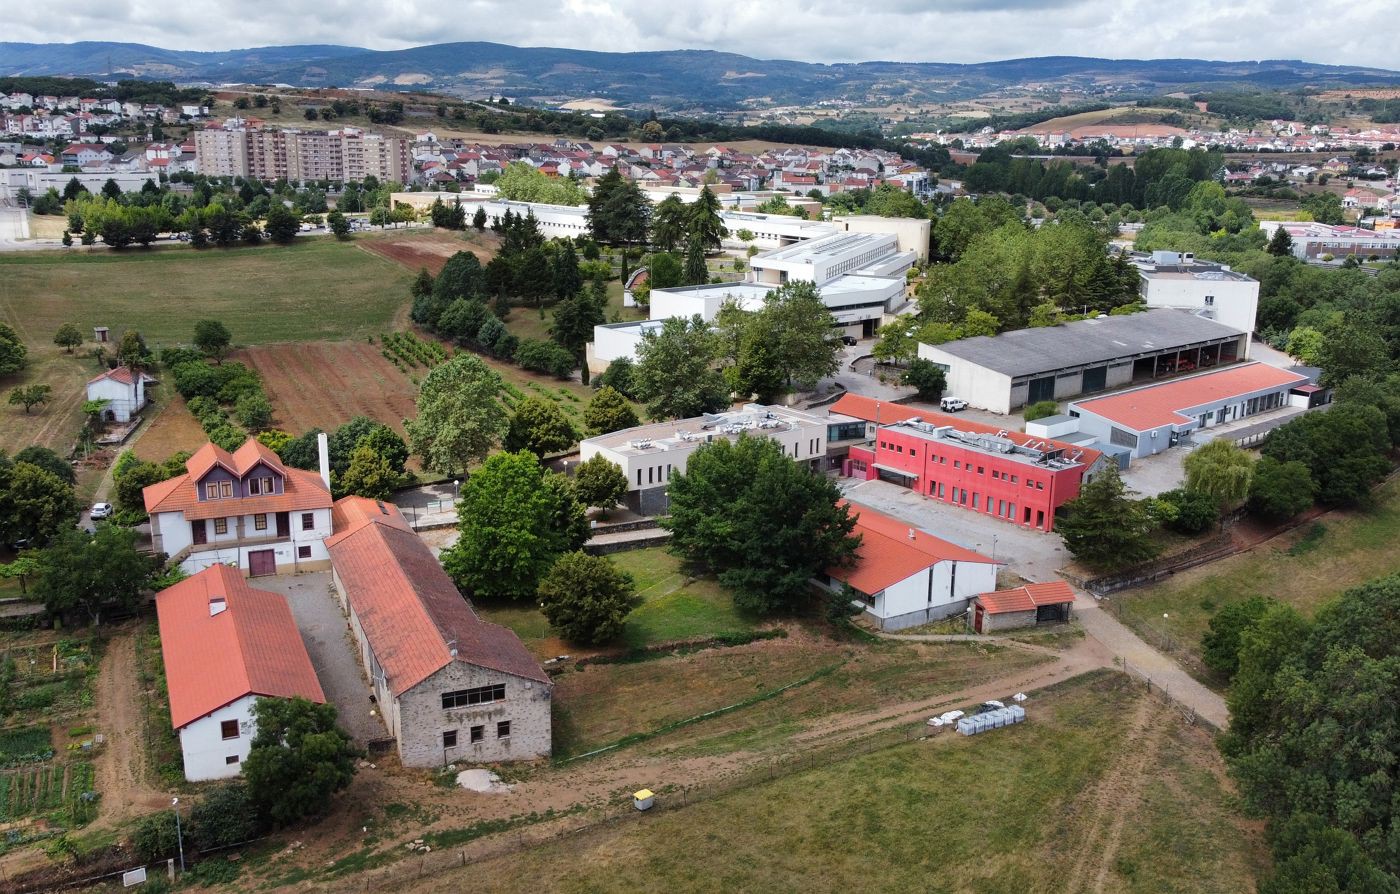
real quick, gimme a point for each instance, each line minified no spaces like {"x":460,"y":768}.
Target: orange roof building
{"x":1023,"y":606}
{"x":247,"y":509}
{"x":225,"y":645}
{"x":1150,"y":419}
{"x":904,"y":576}
{"x":450,"y":685}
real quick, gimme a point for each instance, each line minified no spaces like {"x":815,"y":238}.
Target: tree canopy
{"x":587,"y":598}
{"x":460,"y":417}
{"x":89,"y":573}
{"x":298,"y":760}
{"x":674,"y":374}
{"x":1106,"y":528}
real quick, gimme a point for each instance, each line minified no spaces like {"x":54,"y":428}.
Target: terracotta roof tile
{"x":301,"y":490}
{"x":1027,"y":598}
{"x":889,"y":554}
{"x":410,"y":610}
{"x":251,"y":647}
{"x":1154,"y":406}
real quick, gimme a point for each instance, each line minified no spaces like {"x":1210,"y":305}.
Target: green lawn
{"x":316,"y":289}
{"x":1303,"y":568}
{"x":1013,"y":810}
{"x":675,"y":607}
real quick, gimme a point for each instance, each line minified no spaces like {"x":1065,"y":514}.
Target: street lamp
{"x":179,"y":836}
{"x":456,"y":487}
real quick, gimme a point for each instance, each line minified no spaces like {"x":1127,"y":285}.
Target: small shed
{"x":101,"y":334}
{"x":1025,"y":606}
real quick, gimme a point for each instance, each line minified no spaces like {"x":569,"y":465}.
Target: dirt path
{"x":121,"y":766}
{"x":1113,"y":799}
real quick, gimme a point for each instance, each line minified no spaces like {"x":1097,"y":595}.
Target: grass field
{"x":1116,"y":116}
{"x":676,"y":607}
{"x":1098,"y":791}
{"x":1303,"y":568}
{"x":315,"y":289}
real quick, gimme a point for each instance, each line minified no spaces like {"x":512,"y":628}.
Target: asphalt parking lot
{"x":328,"y":641}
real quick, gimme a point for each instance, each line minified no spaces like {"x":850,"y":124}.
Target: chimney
{"x":324,"y":454}
{"x":217,"y":605}
{"x":911,"y":534}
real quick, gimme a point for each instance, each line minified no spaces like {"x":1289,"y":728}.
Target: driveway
{"x":327,"y":637}
{"x":1033,"y":555}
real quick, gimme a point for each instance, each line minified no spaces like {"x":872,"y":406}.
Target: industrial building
{"x":904,"y":577}
{"x":1150,"y":419}
{"x":1312,"y":240}
{"x":1214,"y":291}
{"x":1009,"y":475}
{"x":649,"y":454}
{"x":1003,"y":372}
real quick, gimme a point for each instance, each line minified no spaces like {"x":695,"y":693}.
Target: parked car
{"x":849,"y":340}
{"x":952,"y":404}
{"x":19,"y":545}
{"x":100,"y":510}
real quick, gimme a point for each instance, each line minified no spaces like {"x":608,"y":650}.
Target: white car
{"x":952,"y":404}
{"x":100,"y":510}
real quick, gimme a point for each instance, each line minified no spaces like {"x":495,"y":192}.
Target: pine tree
{"x":696,"y":273}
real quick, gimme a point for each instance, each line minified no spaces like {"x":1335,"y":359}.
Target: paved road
{"x":327,"y":637}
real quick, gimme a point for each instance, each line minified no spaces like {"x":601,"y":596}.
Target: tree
{"x":674,"y":374}
{"x":696,"y":273}
{"x":608,"y":411}
{"x":1220,"y":645}
{"x":91,"y":572}
{"x":539,"y":426}
{"x":703,"y":222}
{"x":927,"y":379}
{"x":1280,"y":244}
{"x":1221,"y":471}
{"x":13,"y":353}
{"x":572,"y":326}
{"x":600,"y":482}
{"x":29,"y":396}
{"x":68,"y":337}
{"x":544,"y":357}
{"x":1189,"y":512}
{"x":1344,"y":449}
{"x":1105,"y":528}
{"x":587,"y":598}
{"x":460,"y":417}
{"x":513,"y":521}
{"x":479,"y":218}
{"x":213,"y":339}
{"x":802,"y":333}
{"x":619,"y":376}
{"x":253,"y":411}
{"x":132,"y":351}
{"x":21,"y":569}
{"x":761,"y":521}
{"x":669,"y":224}
{"x":299,"y":759}
{"x":1280,"y":490}
{"x":368,"y":475}
{"x":49,"y":461}
{"x":618,"y":213}
{"x":338,"y":224}
{"x":281,"y":225}
{"x":564,"y":270}
{"x":223,"y":817}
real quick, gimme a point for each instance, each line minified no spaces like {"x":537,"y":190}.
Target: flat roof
{"x":1025,"y":352}
{"x":1155,"y":406}
{"x":658,"y":437}
{"x":823,"y":248}
{"x":1031,"y":452}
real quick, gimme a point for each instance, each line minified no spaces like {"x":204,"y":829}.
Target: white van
{"x":952,"y":404}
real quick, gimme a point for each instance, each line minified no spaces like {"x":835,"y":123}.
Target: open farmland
{"x":415,"y":250}
{"x":317,"y":288}
{"x":1103,"y":789}
{"x":324,"y":384}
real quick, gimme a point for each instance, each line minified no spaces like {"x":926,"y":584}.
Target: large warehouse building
{"x":1003,"y":372}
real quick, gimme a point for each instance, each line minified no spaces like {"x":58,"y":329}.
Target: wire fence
{"x":1163,"y":691}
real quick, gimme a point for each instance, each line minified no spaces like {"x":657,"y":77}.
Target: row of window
{"x":1000,"y":508}
{"x":475,"y":734}
{"x":478,"y":695}
{"x":308,"y":522}
{"x":217,"y":490}
{"x":962,"y":466}
{"x":655,"y":475}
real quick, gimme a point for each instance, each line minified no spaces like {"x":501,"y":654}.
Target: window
{"x":503,"y":729}
{"x":308,"y":521}
{"x":228,"y":729}
{"x":220,"y":526}
{"x":260,"y":521}
{"x":957,"y":464}
{"x":211,"y":491}
{"x":231,"y":759}
{"x":1015,"y":480}
{"x":479,"y":695}
{"x":1040,"y":485}
{"x":478,"y":734}
{"x":912,"y":453}
{"x":981,"y":469}
{"x":449,"y":739}
{"x":225,"y":488}
{"x":303,"y":552}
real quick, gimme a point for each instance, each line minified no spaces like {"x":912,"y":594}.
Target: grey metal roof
{"x":1024,"y":352}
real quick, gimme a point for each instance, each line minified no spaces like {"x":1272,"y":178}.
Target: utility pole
{"x":179,"y":836}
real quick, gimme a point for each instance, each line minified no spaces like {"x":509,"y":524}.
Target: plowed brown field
{"x":324,"y":384}
{"x":430,"y":250}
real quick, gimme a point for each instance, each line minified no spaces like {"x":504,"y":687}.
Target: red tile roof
{"x":1027,"y":598}
{"x":887,"y":413}
{"x":122,"y":374}
{"x":301,"y":489}
{"x":410,"y":611}
{"x":251,"y":647}
{"x":892,"y":551}
{"x":1155,"y":406}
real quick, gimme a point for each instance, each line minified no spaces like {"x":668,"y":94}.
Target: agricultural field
{"x":1103,"y":789}
{"x":1304,"y":568}
{"x":415,"y":250}
{"x":1125,"y":118}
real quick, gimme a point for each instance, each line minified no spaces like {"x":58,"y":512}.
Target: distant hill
{"x":669,"y":79}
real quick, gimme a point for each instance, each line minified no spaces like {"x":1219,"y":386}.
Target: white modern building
{"x":904,"y":577}
{"x":225,"y":645}
{"x":649,"y":454}
{"x":1312,"y":241}
{"x":246,"y":509}
{"x":1214,"y":291}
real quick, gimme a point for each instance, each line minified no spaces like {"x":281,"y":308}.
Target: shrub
{"x":224,"y":817}
{"x":1193,"y":512}
{"x":1041,"y":409}
{"x":155,"y":837}
{"x":544,"y":357}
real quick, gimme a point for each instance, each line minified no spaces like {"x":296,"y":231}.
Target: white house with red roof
{"x":122,"y":389}
{"x":246,"y":509}
{"x":226,"y":645}
{"x":449,"y":685}
{"x":904,"y":577}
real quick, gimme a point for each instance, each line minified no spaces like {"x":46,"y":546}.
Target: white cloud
{"x":813,"y":30}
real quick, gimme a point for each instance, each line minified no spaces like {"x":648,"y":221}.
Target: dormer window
{"x":225,"y":488}
{"x":217,"y":605}
{"x":211,"y":491}
{"x":261,"y":485}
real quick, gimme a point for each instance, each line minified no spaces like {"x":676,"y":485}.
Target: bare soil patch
{"x":325,"y":384}
{"x":428,"y":250}
{"x":172,"y":430}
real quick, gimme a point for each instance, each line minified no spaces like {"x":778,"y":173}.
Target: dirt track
{"x":121,"y":767}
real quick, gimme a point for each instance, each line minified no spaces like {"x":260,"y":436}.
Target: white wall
{"x":1235,"y":304}
{"x":913,"y":594}
{"x":207,"y":752}
{"x":981,"y":387}
{"x":175,"y":534}
{"x":119,"y":397}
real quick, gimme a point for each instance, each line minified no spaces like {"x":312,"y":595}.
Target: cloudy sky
{"x":814,"y":30}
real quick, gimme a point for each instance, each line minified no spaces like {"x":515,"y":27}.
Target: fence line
{"x":1162,"y":690}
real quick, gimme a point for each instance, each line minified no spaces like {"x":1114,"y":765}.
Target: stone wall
{"x":422,"y":719}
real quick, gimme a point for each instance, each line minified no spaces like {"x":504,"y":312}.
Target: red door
{"x":977,"y":620}
{"x":262,"y":562}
